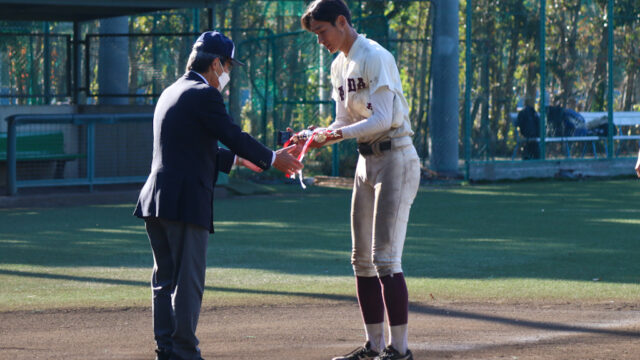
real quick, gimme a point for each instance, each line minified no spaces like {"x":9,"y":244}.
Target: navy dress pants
{"x":177,"y":283}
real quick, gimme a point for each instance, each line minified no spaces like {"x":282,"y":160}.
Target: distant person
{"x":557,"y":123}
{"x":528,"y":122}
{"x":577,"y":122}
{"x":565,"y":122}
{"x":176,"y":202}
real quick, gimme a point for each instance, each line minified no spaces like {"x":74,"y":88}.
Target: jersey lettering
{"x":361,"y":84}
{"x":352,"y":85}
{"x":341,"y":91}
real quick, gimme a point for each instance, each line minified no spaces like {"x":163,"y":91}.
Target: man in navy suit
{"x":176,"y":201}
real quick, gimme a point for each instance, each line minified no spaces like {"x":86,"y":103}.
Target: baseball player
{"x":370,"y":107}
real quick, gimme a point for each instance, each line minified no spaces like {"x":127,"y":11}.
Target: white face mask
{"x":223,"y":80}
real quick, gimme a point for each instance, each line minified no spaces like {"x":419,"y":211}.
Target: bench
{"x":620,"y":119}
{"x":39,"y":146}
{"x":565,"y":139}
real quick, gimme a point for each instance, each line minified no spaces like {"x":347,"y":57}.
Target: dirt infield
{"x":323,"y":328}
{"x":438,"y":331}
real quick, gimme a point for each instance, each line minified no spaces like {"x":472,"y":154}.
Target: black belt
{"x":366,"y":149}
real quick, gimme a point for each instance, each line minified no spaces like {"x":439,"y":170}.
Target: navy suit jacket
{"x":189,"y":119}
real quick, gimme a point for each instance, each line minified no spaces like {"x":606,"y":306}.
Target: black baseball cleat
{"x":362,"y":353}
{"x":389,"y":353}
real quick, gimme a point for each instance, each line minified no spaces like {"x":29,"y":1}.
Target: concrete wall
{"x":123,"y":149}
{"x":7,"y":110}
{"x":514,"y":170}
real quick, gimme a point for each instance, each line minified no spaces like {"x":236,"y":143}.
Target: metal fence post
{"x":468,"y":78}
{"x":543,"y":79}
{"x":274,"y":111}
{"x":70,"y":89}
{"x":196,"y":20}
{"x":211,"y":17}
{"x":11,"y":157}
{"x":47,"y":64}
{"x":91,"y":154}
{"x":76,"y":63}
{"x":610,"y":79}
{"x":265,"y":102}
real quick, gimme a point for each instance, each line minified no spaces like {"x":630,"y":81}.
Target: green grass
{"x":527,"y":241}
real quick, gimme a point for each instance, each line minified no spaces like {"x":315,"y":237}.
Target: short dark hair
{"x":325,"y":10}
{"x":199,"y":61}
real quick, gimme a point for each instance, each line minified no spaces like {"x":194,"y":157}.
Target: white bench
{"x":549,"y":139}
{"x":620,"y":119}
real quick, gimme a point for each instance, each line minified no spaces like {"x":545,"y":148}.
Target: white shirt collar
{"x":205,"y":80}
{"x":356,"y":44}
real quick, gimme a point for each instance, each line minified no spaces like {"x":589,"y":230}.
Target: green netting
{"x":34,"y":68}
{"x":506,"y":72}
{"x":286,"y":80}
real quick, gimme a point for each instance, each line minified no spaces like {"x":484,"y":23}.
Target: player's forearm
{"x":339,"y":122}
{"x":342,"y":120}
{"x":379,"y":121}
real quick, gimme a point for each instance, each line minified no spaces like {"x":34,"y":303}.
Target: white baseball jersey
{"x":371,"y":107}
{"x":358,"y":79}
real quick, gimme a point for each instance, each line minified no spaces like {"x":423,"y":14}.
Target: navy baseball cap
{"x":216,"y":43}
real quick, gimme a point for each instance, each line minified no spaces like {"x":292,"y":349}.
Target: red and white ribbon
{"x":320,"y":134}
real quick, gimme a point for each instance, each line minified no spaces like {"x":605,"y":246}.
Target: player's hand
{"x":248,"y":164}
{"x":294,"y":138}
{"x":285,"y":161}
{"x":324,"y":136}
{"x":638,"y":165}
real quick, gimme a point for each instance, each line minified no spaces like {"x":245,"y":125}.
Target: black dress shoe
{"x":162,"y":354}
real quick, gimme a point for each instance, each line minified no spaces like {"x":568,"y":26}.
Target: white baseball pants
{"x":384,"y":188}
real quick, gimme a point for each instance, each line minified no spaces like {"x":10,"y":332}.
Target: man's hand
{"x":285,"y":161}
{"x":248,"y":164}
{"x":297,"y":149}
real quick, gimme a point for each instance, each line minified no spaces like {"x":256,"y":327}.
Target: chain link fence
{"x":577,"y":99}
{"x":35,"y":69}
